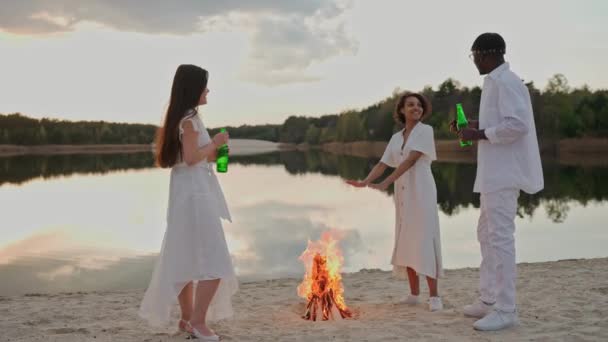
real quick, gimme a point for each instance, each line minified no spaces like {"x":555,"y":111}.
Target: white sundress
{"x":194,"y":246}
{"x":417,"y":238}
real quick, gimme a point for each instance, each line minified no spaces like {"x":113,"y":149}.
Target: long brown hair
{"x":426,"y":107}
{"x":189,"y":83}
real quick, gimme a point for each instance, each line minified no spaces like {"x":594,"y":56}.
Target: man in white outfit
{"x":508,"y":160}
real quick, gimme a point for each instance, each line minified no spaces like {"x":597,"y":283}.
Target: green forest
{"x":560,"y":112}
{"x":17,"y":129}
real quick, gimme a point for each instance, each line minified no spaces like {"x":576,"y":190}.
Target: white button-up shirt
{"x":510,"y":158}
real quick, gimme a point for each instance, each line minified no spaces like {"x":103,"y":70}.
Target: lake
{"x":96,"y":222}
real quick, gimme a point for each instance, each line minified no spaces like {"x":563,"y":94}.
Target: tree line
{"x":17,"y":129}
{"x":560,"y":112}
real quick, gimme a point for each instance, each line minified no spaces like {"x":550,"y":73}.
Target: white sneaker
{"x":478,"y":309}
{"x":410,"y":300}
{"x":497,"y":320}
{"x":435,"y":304}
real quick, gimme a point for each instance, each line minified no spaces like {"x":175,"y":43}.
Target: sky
{"x":269,"y":59}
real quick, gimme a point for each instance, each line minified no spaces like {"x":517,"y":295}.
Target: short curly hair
{"x":489,"y":43}
{"x":426,"y":107}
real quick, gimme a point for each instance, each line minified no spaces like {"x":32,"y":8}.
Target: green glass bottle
{"x":461,"y":122}
{"x":221,"y":162}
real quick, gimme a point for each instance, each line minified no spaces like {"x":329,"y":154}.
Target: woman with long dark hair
{"x":194,"y":265}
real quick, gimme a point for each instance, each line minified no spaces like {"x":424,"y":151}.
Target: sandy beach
{"x":558,"y":301}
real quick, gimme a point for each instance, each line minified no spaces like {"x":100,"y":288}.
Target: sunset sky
{"x":268,"y":59}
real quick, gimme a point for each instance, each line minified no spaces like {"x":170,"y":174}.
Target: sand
{"x":558,"y":301}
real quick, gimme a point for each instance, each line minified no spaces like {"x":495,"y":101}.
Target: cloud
{"x":269,"y":252}
{"x":284,"y":46}
{"x":287,"y":37}
{"x":150,"y":16}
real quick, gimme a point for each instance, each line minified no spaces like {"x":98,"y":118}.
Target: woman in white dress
{"x":194,"y":266}
{"x":410,"y":151}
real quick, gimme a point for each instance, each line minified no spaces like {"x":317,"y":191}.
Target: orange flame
{"x":323,"y":261}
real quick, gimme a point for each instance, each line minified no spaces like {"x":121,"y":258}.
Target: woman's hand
{"x":356,"y":183}
{"x":213,"y":156}
{"x":220,"y":139}
{"x":379,"y":186}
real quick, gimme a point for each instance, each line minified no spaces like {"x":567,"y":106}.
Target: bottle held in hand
{"x":462,"y":122}
{"x":222,"y":157}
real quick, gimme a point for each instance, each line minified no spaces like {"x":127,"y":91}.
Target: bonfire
{"x":322,"y":284}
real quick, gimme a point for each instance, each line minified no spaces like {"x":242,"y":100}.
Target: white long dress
{"x":194,"y":246}
{"x":417,"y":240}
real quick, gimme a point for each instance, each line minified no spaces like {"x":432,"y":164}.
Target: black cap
{"x":489,"y":43}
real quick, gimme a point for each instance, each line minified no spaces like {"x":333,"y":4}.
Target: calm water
{"x":96,"y":222}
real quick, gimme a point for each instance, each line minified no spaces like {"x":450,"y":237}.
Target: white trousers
{"x":495,"y":232}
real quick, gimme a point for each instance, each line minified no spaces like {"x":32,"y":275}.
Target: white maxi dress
{"x":417,"y":238}
{"x":194,"y":246}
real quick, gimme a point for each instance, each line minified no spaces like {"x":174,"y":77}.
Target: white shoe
{"x":497,"y":320}
{"x":435,"y":304}
{"x":410,"y":300}
{"x":206,"y":338}
{"x":478,"y":309}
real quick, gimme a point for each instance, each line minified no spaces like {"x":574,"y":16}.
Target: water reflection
{"x":100,"y":229}
{"x":274,"y":234}
{"x":563,"y":184}
{"x":53,"y":262}
{"x":22,"y":168}
{"x":454,"y":181}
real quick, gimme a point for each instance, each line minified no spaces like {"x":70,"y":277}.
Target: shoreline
{"x":584,"y":152}
{"x":15,"y":150}
{"x":270,"y":310}
{"x":237,"y":147}
{"x":572,"y":152}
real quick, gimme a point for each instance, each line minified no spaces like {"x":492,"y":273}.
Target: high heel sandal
{"x":210,"y":338}
{"x":188,"y":326}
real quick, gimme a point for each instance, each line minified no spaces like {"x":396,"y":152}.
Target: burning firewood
{"x":322,"y":284}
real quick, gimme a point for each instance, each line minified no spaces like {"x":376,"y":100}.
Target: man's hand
{"x":471,"y":134}
{"x":453,"y":127}
{"x":472,"y":124}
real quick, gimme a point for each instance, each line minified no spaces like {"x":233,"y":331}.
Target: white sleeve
{"x":514,"y":114}
{"x":181,"y":125}
{"x":389,"y":157}
{"x":424,"y":142}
